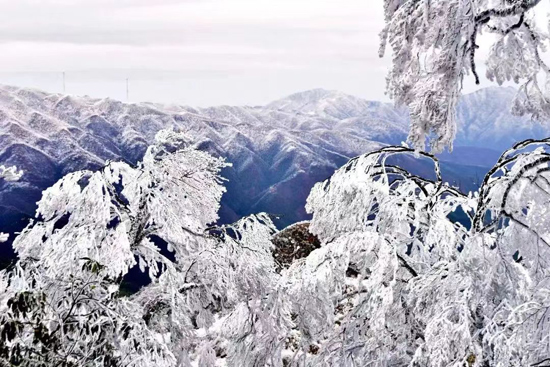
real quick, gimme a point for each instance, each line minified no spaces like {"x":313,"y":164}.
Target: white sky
{"x":195,"y":52}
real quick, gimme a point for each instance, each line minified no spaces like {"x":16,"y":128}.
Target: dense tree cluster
{"x":400,"y":269}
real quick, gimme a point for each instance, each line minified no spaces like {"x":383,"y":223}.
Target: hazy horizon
{"x":197,"y":53}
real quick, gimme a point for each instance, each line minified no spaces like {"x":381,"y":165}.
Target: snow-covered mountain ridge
{"x":278,"y":151}
{"x":272,"y":149}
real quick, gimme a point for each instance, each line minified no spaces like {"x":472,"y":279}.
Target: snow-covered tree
{"x":434,"y":45}
{"x":400,"y":281}
{"x":61,"y":304}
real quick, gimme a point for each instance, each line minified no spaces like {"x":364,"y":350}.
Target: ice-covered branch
{"x":434,"y":47}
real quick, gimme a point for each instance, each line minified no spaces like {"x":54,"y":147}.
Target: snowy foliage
{"x":434,"y":46}
{"x":61,"y":304}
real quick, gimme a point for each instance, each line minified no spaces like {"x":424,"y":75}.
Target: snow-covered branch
{"x":434,"y":46}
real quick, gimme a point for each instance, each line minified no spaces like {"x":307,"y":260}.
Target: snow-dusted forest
{"x":396,"y":267}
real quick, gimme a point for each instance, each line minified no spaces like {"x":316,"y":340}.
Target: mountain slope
{"x":278,"y":151}
{"x":485,"y":121}
{"x":273,"y":152}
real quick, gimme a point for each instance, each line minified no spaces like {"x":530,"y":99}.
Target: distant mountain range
{"x":278,"y":151}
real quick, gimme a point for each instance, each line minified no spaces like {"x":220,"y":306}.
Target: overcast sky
{"x":194,"y":52}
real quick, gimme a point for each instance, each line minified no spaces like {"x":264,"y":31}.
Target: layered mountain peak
{"x":307,"y":97}
{"x":484,"y":120}
{"x":505,"y":93}
{"x":322,"y":102}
